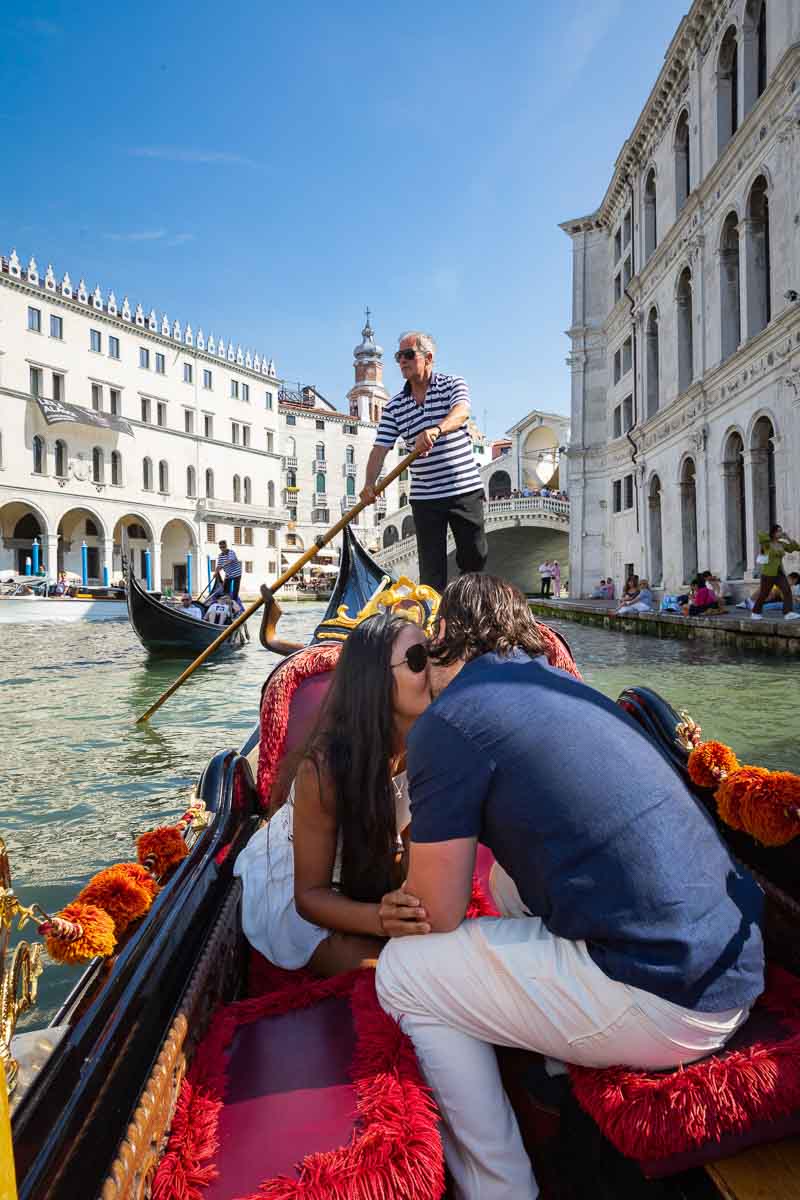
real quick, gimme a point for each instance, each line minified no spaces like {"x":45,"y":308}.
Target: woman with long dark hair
{"x":315,"y":874}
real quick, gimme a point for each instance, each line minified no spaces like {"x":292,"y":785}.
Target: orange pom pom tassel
{"x":161,"y":849}
{"x":142,"y":876}
{"x":771,"y":810}
{"x":732,"y":792}
{"x":119,"y":894}
{"x":709,"y":763}
{"x":79,"y":932}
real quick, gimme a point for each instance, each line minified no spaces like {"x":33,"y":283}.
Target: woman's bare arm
{"x":314,"y":839}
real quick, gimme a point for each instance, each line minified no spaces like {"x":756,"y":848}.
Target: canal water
{"x":78,"y":777}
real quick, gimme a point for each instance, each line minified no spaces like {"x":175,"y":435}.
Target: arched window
{"x":248,"y":490}
{"x":757,"y":257}
{"x":237,"y":489}
{"x":762,"y":460}
{"x":735,"y":508}
{"x":271,"y":494}
{"x":390,"y":536}
{"x":349,"y":455}
{"x":163,"y":476}
{"x":656,"y":550}
{"x":499,"y":485}
{"x":320,"y":452}
{"x":116,"y":468}
{"x":727,"y":89}
{"x":98,"y":465}
{"x":350,"y":485}
{"x":147,"y":475}
{"x":685,"y":331}
{"x":291,"y":447}
{"x":688,"y":488}
{"x":320,"y":483}
{"x":650,"y":214}
{"x":754,"y":52}
{"x":730,"y":297}
{"x":403,"y":500}
{"x":409,"y":529}
{"x":210,"y":483}
{"x":61,"y":458}
{"x":37,"y":446}
{"x":191,"y":486}
{"x":683,"y":171}
{"x":653,"y":364}
{"x":291,"y":478}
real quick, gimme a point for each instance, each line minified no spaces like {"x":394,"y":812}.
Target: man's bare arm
{"x":374,"y":463}
{"x":440,"y":877}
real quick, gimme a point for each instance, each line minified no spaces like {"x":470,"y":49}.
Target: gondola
{"x":185,"y":1067}
{"x":163,"y":629}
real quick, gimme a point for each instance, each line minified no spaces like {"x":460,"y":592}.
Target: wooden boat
{"x":163,"y":629}
{"x":128,"y":1099}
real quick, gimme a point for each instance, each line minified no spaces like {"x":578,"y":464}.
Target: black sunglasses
{"x":406,"y":354}
{"x":416,"y":658}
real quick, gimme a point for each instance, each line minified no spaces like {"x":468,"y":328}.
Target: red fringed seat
{"x":747,"y":1094}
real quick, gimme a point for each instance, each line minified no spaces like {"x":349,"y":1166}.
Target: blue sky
{"x":265,"y":170}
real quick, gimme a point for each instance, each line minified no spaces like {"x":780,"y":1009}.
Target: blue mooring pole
{"x":148,"y":571}
{"x":189,"y":572}
{"x":35,"y":552}
{"x":105,"y":576}
{"x":84,"y":563}
{"x":208,"y":564}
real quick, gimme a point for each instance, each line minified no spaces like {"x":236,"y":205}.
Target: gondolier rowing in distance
{"x":431,"y":414}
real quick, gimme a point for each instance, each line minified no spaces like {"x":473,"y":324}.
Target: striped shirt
{"x":449,"y":469}
{"x":229,"y":563}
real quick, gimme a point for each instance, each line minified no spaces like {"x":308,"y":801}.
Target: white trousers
{"x":510,"y":982}
{"x":639,"y":606}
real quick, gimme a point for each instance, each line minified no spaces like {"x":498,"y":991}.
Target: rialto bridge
{"x":521,"y":531}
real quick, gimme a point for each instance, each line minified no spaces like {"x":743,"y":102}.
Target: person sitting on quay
{"x":640,"y":602}
{"x":702,"y":599}
{"x":714,"y":584}
{"x":642,"y":956}
{"x":600,"y":592}
{"x":794,"y":584}
{"x":773,"y":546}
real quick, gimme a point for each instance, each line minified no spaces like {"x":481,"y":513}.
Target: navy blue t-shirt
{"x":598,"y":831}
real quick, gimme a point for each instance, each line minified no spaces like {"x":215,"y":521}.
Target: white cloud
{"x":143,"y":235}
{"x":180,"y":154}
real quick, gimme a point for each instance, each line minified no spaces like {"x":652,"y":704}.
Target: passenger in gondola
{"x":315,"y":874}
{"x":190,"y":608}
{"x":219,"y":612}
{"x":629,"y":934}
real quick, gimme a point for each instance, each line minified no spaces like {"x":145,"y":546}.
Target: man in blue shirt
{"x":629,"y":934}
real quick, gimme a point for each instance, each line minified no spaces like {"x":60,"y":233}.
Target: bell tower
{"x":368,"y":395}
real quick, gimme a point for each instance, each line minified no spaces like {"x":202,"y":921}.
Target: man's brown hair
{"x":482,"y":614}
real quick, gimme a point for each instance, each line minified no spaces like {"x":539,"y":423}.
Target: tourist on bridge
{"x":774,"y":545}
{"x":229,"y":565}
{"x":612,"y":948}
{"x":431,"y":414}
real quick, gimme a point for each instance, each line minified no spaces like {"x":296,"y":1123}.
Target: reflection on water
{"x":78,"y":777}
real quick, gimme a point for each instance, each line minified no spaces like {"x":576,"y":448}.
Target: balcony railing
{"x":320,"y":499}
{"x":290,"y":462}
{"x":348,"y":502}
{"x":320,"y":465}
{"x":349,"y":469}
{"x":212,"y":509}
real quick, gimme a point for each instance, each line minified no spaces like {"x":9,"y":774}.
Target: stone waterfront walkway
{"x":733,"y":628}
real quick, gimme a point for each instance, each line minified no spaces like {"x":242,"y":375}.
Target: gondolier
{"x":431,"y":414}
{"x":228,"y":563}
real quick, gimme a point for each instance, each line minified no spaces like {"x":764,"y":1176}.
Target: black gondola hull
{"x":163,"y":630}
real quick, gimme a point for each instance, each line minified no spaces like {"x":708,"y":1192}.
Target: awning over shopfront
{"x":59,"y":412}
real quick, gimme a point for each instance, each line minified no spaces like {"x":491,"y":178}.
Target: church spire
{"x":369,"y":395}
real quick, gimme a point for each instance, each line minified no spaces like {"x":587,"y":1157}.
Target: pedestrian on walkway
{"x":774,"y":545}
{"x":556,"y":576}
{"x":546,"y":576}
{"x":431,"y":414}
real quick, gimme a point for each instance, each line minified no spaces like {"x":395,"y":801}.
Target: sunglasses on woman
{"x":416,"y":658}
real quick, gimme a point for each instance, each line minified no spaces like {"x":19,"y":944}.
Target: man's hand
{"x":426,"y":439}
{"x":400,"y":914}
{"x":368,"y":493}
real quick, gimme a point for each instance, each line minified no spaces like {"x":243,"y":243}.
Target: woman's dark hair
{"x":352,"y":744}
{"x":773,"y":529}
{"x":483,"y":613}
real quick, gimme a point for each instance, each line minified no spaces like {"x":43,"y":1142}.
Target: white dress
{"x":271,"y":923}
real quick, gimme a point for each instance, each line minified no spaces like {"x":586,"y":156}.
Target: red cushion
{"x":747,"y":1094}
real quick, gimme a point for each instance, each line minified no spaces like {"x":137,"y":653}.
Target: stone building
{"x":529,"y":458}
{"x":685,"y":355}
{"x":325,"y":454}
{"x":163,"y":435}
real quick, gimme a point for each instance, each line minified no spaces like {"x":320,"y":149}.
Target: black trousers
{"x":546,"y":584}
{"x":464,"y":515}
{"x":232,"y":586}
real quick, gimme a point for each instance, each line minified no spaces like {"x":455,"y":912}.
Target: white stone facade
{"x":203,"y":462}
{"x":685,"y":358}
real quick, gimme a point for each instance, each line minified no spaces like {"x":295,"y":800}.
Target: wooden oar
{"x":300,"y":562}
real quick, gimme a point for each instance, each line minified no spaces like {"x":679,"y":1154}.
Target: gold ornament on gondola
{"x":19,"y":981}
{"x":415,"y":601}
